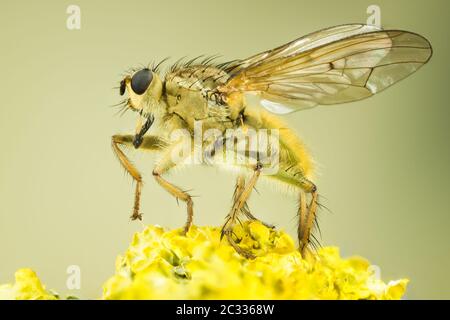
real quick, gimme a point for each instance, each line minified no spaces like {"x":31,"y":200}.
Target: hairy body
{"x":335,"y":65}
{"x":186,"y":98}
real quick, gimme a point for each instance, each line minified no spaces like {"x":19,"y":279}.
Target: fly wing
{"x":332,"y":66}
{"x":302,"y":44}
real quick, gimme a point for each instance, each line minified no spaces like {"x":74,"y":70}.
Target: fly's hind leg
{"x":307,"y":214}
{"x":149,"y":143}
{"x":294,"y":176}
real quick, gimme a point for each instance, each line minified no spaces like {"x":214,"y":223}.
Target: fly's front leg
{"x":131,"y":169}
{"x":165,"y":164}
{"x":149,"y":143}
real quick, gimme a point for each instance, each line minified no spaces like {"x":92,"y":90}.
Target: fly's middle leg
{"x":165,"y":164}
{"x":240,"y":185}
{"x":177,"y":193}
{"x":239,"y":203}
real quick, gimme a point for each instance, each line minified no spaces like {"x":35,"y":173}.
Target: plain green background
{"x":64,"y":200}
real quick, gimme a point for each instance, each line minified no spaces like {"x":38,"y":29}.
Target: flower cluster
{"x":162,"y":264}
{"x":27,"y":287}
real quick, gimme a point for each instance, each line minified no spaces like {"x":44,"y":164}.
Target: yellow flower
{"x":163,"y":264}
{"x":27,"y":287}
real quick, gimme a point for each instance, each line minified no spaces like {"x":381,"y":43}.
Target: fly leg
{"x":165,"y":164}
{"x":294,"y":176}
{"x":149,"y":143}
{"x":240,"y":184}
{"x":307,"y":215}
{"x":239,"y":203}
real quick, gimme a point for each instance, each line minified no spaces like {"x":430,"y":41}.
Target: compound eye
{"x":141,"y":80}
{"x":122,"y":87}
